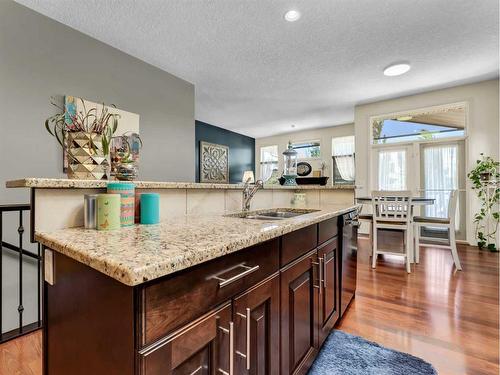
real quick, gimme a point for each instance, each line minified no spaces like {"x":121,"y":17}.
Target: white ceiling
{"x":256,"y":74}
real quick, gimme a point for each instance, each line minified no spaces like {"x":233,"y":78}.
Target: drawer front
{"x":328,"y":229}
{"x":296,"y":244}
{"x":201,"y":347}
{"x":177,"y":300}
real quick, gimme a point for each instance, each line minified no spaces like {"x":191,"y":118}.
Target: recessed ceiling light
{"x":292,"y":15}
{"x":396,"y":69}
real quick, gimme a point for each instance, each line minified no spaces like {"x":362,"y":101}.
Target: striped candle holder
{"x":127,"y":193}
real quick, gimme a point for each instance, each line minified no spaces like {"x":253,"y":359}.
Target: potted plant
{"x":85,"y":136}
{"x":485,"y":179}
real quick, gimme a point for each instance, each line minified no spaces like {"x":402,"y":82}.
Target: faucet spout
{"x":249,"y":191}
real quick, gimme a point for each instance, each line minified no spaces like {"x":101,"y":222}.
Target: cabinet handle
{"x":321,"y":272}
{"x":231,"y":348}
{"x":229,"y":332}
{"x":324,"y":273}
{"x":247,"y":271}
{"x":247,"y":355}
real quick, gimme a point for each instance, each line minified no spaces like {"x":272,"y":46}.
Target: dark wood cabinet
{"x":263,"y":310}
{"x":200,"y":348}
{"x":328,"y":265}
{"x":256,"y":316}
{"x":172,"y":302}
{"x":299,"y":314}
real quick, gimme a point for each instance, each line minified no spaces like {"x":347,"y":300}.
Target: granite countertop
{"x":64,"y":183}
{"x":140,"y":253}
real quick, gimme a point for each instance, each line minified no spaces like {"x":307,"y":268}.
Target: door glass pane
{"x":440,"y":178}
{"x":392,"y":170}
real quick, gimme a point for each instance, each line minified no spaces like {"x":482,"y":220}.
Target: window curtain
{"x":268,"y":161}
{"x":392,"y":170}
{"x":441,"y":177}
{"x":343,"y":153}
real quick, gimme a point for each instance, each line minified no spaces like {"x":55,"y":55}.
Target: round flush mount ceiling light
{"x":396,"y":69}
{"x":292,"y":15}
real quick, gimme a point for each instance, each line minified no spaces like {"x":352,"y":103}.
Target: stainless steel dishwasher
{"x":348,"y":267}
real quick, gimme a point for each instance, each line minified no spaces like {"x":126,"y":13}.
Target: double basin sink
{"x":272,"y":214}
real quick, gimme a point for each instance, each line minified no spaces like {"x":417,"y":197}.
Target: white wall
{"x":483,"y":130}
{"x":324,"y":135}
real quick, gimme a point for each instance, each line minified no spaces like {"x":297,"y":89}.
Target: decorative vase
{"x":86,"y":157}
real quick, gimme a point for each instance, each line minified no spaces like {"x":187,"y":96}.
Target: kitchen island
{"x":200,"y":293}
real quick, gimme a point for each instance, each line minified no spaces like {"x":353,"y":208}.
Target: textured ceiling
{"x":256,"y":74}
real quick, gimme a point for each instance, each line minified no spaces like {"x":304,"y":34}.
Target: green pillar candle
{"x":108,"y":211}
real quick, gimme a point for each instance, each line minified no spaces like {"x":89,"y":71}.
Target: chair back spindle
{"x":391,"y":206}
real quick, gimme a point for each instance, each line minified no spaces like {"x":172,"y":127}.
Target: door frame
{"x":373,"y":174}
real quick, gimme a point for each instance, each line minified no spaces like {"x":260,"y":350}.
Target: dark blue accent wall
{"x":241,"y":149}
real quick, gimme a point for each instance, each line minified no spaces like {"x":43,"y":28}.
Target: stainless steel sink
{"x":272,"y":214}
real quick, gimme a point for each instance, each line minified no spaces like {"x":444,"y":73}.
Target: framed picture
{"x":214,"y":163}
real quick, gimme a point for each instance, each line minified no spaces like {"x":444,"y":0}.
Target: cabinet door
{"x":200,"y":348}
{"x":299,"y":314}
{"x":328,"y":293}
{"x":256,"y":317}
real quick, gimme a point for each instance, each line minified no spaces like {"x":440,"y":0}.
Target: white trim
{"x":372,"y":176}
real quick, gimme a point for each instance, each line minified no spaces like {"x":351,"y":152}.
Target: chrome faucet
{"x":249,"y":191}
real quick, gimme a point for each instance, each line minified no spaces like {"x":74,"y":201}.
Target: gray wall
{"x":39,"y":58}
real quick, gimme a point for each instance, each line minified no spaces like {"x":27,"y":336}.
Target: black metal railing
{"x":22,"y":256}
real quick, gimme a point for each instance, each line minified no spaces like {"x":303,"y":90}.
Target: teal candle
{"x":150,"y":208}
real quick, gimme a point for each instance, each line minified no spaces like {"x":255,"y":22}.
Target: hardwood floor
{"x":449,"y":318}
{"x":22,"y":356}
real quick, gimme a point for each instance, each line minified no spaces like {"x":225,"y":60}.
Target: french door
{"x":392,"y":167}
{"x":431,"y":169}
{"x":442,"y":169}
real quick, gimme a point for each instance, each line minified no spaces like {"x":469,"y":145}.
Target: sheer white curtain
{"x":268,"y":161}
{"x":392,"y":170}
{"x":343,"y":152}
{"x":441,"y":176}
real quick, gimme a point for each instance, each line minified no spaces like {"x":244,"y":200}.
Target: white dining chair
{"x":447,"y":223}
{"x":392,"y":210}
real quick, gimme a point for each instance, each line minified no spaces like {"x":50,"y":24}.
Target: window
{"x":268,"y":161}
{"x":439,"y":122}
{"x":343,"y":160}
{"x":307,"y":150}
{"x":392,"y":170}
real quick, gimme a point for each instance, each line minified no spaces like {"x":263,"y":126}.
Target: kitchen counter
{"x":141,"y":253}
{"x":63,"y":183}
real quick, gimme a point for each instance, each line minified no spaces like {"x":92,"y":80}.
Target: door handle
{"x":247,"y":321}
{"x":229,"y":332}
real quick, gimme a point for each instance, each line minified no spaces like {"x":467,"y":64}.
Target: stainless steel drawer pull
{"x":247,"y":271}
{"x":196,"y":371}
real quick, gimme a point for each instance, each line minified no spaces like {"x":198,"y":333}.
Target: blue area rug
{"x":344,"y":354}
